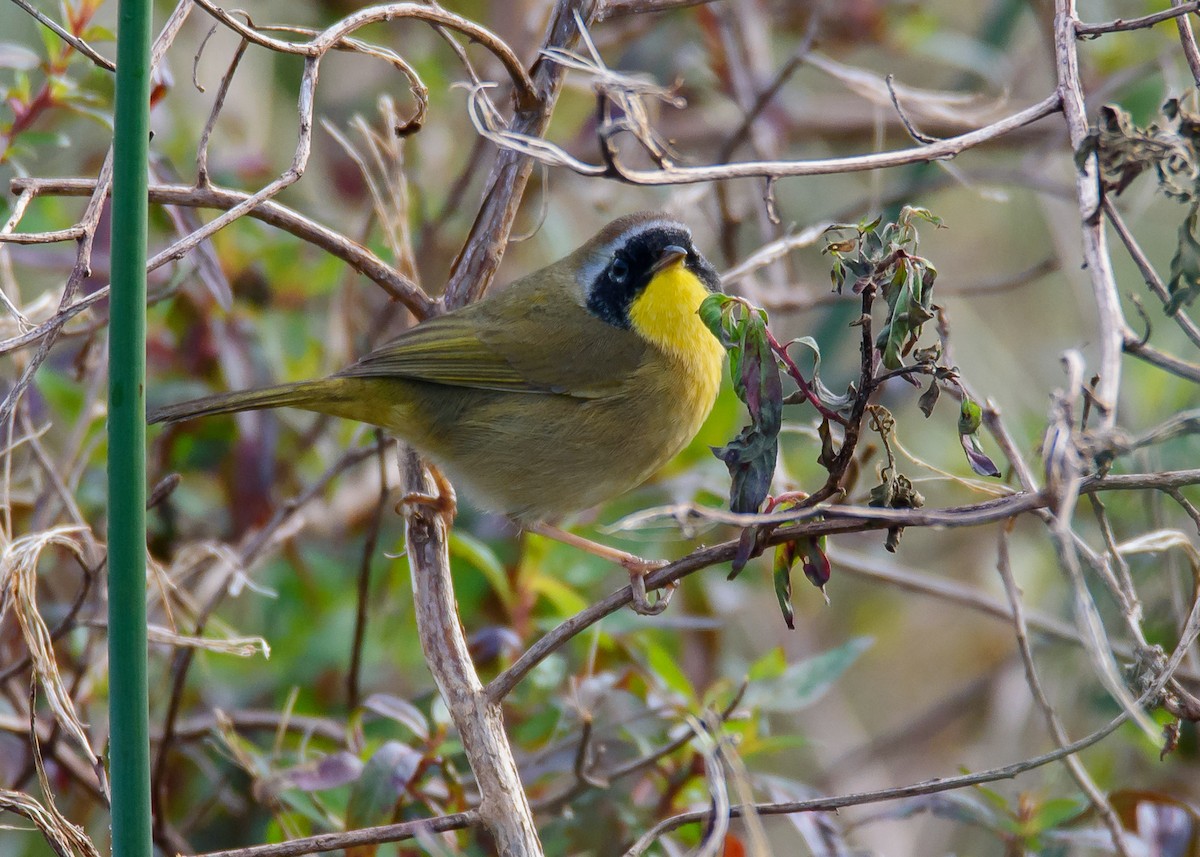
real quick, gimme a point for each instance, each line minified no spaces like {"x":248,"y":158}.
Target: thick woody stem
{"x":502,"y":802}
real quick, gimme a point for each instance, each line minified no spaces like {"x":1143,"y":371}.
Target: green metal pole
{"x":129,"y":718}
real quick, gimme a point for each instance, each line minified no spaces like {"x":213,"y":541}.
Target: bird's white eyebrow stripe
{"x":590,"y":270}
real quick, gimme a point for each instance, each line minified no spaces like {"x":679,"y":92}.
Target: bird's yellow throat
{"x":665,"y":314}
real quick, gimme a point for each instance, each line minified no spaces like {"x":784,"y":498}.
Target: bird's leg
{"x":637,"y":567}
{"x":443,"y":501}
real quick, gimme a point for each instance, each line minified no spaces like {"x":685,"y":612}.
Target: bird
{"x":568,"y":388}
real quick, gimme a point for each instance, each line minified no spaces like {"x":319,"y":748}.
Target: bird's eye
{"x":619,"y":271}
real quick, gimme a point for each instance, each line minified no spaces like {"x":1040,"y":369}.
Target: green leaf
{"x":1057,"y":811}
{"x":785,"y":558}
{"x":479,"y":554}
{"x":769,"y":666}
{"x":383,"y":781}
{"x":970,"y":417}
{"x":665,"y":667}
{"x":805,"y":682}
{"x":712,"y":313}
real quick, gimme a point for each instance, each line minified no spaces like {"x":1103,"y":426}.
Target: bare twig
{"x":1187,"y":39}
{"x":184,"y":657}
{"x":351,"y":838}
{"x":480,"y":257}
{"x":1134,"y":344}
{"x":1125,"y":24}
{"x":329,"y":38}
{"x":71,"y":39}
{"x":548,"y":153}
{"x":1153,"y":280}
{"x":89,"y":222}
{"x":833,"y":804}
{"x":1095,"y":245}
{"x":610,"y":9}
{"x":1074,"y":765}
{"x":839,"y":519}
{"x":354,"y":254}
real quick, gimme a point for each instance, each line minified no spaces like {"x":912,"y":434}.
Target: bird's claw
{"x":638,"y":568}
{"x":443,"y":503}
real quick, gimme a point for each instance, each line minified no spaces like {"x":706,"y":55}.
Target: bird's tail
{"x":304,"y":394}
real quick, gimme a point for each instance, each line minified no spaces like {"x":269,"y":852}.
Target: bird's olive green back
{"x":533,"y":337}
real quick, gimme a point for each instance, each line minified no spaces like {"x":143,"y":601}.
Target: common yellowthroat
{"x":564,"y":390}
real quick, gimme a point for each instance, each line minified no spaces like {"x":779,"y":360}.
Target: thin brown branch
{"x":1153,"y":280}
{"x":273,"y":213}
{"x":1133,"y":344}
{"x":610,"y":9}
{"x":1125,"y":24}
{"x":182,"y":661}
{"x":948,"y":148}
{"x":202,"y":179}
{"x":370,"y":543}
{"x":89,"y":222}
{"x":1095,"y":246}
{"x":838,"y":520}
{"x":351,"y":838}
{"x":1082,"y":778}
{"x":247,"y":720}
{"x":1188,"y":40}
{"x":329,"y":38}
{"x":480,"y":257}
{"x":68,"y":37}
{"x":832,"y":804}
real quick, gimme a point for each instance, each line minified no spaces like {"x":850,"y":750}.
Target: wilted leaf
{"x":977,"y":458}
{"x":828,"y":397}
{"x":15,"y":56}
{"x":331,"y":771}
{"x":492,"y":642}
{"x":929,"y":398}
{"x":750,"y":457}
{"x":1184,"y":283}
{"x":816,"y":563}
{"x":1171,"y":825}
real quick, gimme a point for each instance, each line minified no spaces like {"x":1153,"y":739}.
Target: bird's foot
{"x":638,"y":568}
{"x":443,"y":502}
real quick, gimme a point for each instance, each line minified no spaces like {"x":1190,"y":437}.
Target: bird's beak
{"x":671,"y":254}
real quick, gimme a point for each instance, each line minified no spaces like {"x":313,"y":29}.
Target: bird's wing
{"x":512,"y":345}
